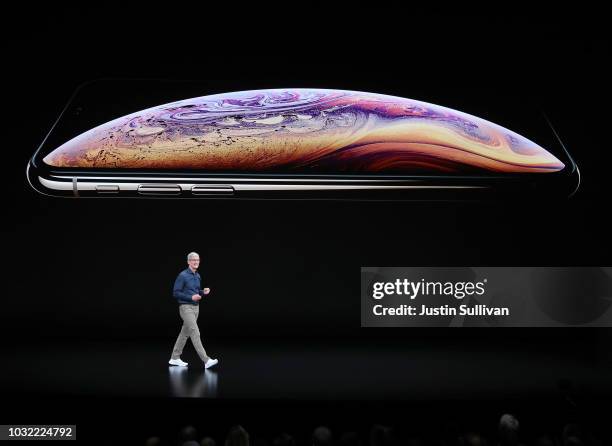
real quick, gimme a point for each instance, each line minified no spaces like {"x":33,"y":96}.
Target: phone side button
{"x":107,"y":189}
{"x":159,"y":189}
{"x":216,"y":190}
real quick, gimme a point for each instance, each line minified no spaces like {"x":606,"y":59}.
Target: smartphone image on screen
{"x":156,"y":139}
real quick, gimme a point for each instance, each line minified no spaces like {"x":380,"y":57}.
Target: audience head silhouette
{"x":208,"y":441}
{"x":237,"y":436}
{"x":321,"y":436}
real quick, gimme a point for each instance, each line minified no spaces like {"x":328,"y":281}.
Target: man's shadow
{"x":197,"y":384}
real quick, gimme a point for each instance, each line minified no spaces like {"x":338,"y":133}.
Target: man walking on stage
{"x":188,"y":293}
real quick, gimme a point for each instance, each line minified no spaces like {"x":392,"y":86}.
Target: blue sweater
{"x":186,"y":285}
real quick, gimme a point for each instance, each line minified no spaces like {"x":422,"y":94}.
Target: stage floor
{"x":300,"y":370}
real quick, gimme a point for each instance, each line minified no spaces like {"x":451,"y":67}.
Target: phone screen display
{"x":291,"y":131}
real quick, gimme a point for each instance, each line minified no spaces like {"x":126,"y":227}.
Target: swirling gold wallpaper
{"x":307,"y":131}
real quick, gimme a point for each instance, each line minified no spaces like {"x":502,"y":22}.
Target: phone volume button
{"x":159,"y":189}
{"x":107,"y":189}
{"x":215,"y":190}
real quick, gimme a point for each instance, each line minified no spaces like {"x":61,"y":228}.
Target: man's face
{"x":194,"y":263}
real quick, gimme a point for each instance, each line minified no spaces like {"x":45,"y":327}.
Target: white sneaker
{"x":177,"y":362}
{"x":210,"y":362}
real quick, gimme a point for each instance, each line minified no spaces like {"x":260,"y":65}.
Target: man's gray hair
{"x":192,"y":254}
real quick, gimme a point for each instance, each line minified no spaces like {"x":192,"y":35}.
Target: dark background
{"x":103,"y":269}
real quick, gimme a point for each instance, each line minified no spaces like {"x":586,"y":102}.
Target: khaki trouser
{"x":189,"y":314}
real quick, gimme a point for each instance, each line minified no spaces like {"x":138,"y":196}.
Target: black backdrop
{"x":103,"y":269}
{"x":281,"y":267}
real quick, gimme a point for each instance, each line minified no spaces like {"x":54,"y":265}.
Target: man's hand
{"x":206,"y":290}
{"x":196,"y":297}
